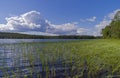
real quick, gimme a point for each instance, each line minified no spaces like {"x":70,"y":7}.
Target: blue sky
{"x":57,"y":17}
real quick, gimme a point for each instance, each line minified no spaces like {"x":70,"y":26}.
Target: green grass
{"x":95,"y":58}
{"x":101,"y":55}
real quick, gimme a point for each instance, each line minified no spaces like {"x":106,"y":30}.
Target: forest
{"x":7,"y":35}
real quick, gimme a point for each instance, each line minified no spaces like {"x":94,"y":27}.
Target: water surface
{"x":13,"y":56}
{"x":34,"y":40}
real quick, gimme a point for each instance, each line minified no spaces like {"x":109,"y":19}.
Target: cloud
{"x":89,"y":19}
{"x":112,"y":14}
{"x":27,"y":22}
{"x":103,"y":24}
{"x":38,"y":33}
{"x":67,"y":29}
{"x":33,"y":22}
{"x":100,"y":26}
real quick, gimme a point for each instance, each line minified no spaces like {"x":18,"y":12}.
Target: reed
{"x":73,"y":59}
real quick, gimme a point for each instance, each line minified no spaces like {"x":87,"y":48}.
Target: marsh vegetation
{"x":71,"y":59}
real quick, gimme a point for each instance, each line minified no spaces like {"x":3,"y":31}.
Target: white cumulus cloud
{"x":67,"y":29}
{"x":33,"y":22}
{"x":27,"y":22}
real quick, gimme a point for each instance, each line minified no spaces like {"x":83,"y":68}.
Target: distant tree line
{"x":5,"y":35}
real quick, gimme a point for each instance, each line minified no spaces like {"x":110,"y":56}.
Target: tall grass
{"x":72,"y":59}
